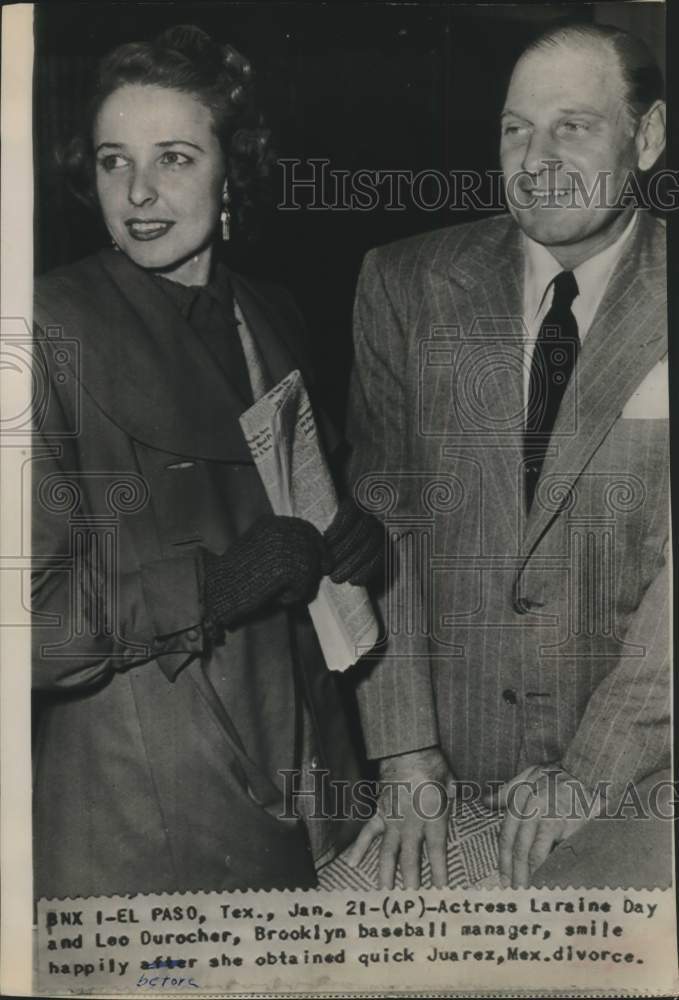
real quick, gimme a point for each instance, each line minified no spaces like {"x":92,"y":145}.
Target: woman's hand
{"x":355,"y":544}
{"x":278,"y":560}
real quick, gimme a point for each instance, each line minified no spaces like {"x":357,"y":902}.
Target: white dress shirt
{"x":592,"y":277}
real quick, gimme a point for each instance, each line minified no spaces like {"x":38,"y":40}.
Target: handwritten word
{"x":162,"y":982}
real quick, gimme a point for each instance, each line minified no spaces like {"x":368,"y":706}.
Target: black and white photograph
{"x":340,"y":493}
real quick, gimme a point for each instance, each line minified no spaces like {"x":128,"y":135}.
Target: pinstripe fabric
{"x":530,"y":641}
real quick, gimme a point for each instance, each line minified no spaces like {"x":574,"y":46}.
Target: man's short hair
{"x":641,"y":74}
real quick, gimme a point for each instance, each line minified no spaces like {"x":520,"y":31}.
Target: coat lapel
{"x":143,"y":365}
{"x":485,"y":410}
{"x":626,"y":339}
{"x":166,"y":389}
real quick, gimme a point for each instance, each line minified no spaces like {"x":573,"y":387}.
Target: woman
{"x":174,"y":656}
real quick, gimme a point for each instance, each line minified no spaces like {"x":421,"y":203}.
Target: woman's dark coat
{"x":159,"y":742}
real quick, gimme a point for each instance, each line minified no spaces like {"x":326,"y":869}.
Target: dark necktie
{"x":554,"y":357}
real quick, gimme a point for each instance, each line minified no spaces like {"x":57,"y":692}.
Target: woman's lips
{"x":151,"y":229}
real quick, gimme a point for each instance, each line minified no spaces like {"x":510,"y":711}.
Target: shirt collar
{"x":592,"y":275}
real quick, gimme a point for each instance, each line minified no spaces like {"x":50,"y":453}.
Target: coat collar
{"x":142,"y":364}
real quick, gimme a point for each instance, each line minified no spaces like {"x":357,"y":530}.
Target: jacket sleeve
{"x":88,"y":619}
{"x":625,"y":732}
{"x":395,"y":688}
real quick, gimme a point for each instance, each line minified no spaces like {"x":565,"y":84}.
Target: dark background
{"x":370,"y":85}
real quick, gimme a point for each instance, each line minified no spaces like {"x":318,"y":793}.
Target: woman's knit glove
{"x":278,"y":560}
{"x":355,"y":544}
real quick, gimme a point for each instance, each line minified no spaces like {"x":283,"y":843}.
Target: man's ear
{"x":650,"y":136}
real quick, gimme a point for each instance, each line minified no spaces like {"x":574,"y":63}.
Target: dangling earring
{"x":114,"y":245}
{"x":225,"y":215}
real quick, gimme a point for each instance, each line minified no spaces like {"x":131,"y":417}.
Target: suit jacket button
{"x":192,"y":634}
{"x":509,"y":695}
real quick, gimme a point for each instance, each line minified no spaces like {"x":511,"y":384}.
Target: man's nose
{"x":142,"y":188}
{"x":540,"y":154}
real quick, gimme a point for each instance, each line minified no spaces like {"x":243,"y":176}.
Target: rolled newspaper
{"x":281,"y":433}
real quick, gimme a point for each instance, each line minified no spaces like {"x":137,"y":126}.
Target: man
{"x":509,"y":405}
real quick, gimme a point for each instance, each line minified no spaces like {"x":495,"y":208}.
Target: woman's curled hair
{"x":187,"y":59}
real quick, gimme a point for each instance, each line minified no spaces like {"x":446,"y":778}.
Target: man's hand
{"x":414,"y":786}
{"x":544,"y":805}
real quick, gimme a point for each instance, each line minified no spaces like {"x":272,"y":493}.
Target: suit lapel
{"x":487,"y":387}
{"x":484,"y":411}
{"x":626,"y":339}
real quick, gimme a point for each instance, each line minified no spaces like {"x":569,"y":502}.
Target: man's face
{"x":565,"y":126}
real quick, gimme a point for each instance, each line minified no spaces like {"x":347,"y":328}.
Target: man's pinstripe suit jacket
{"x":514,"y":640}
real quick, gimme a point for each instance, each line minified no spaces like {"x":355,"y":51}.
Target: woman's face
{"x":160,"y":177}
